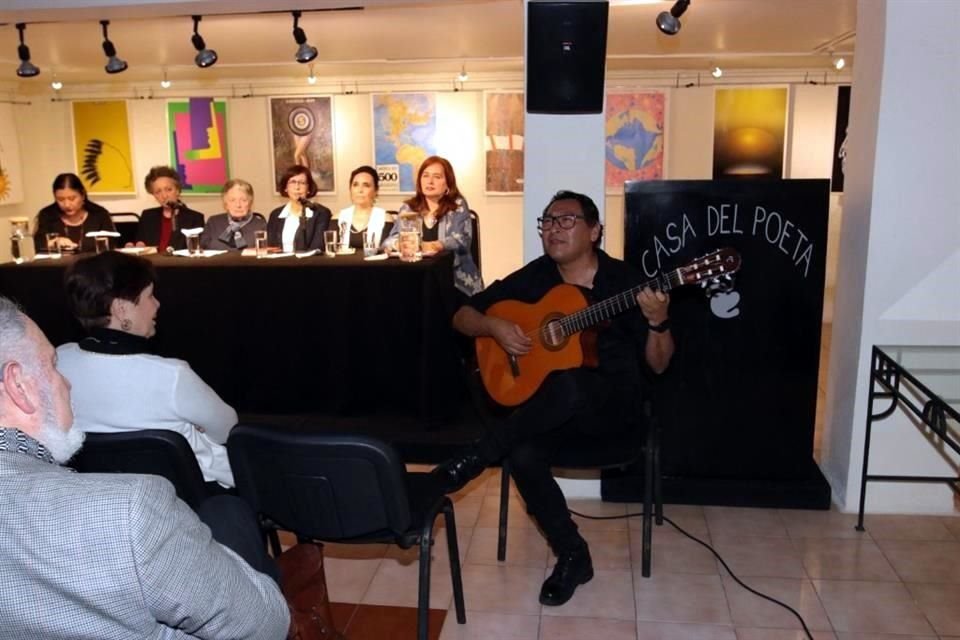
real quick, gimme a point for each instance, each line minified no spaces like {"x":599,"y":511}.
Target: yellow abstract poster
{"x":748,"y":133}
{"x":102,"y":149}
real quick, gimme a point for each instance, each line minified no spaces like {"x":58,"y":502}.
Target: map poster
{"x":404,"y":131}
{"x":634,"y":137}
{"x":302,"y":132}
{"x":197,"y":130}
{"x":503,"y":142}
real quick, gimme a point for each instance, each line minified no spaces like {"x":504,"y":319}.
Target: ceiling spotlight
{"x":165,"y":84}
{"x":205,"y":57}
{"x":717,"y":72}
{"x":26,"y":69}
{"x":56,"y":85}
{"x":114,"y":64}
{"x":669,"y":21}
{"x":839,"y":63}
{"x":305,"y":53}
{"x":463,"y":76}
{"x":311,"y":79}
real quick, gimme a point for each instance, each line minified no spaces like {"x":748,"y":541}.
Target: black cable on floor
{"x":716,"y":555}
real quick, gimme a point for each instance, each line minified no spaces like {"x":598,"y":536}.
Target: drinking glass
{"x":102,"y":243}
{"x":260,"y":240}
{"x":408,"y":245}
{"x":53,"y":246}
{"x":370,"y":244}
{"x":193,"y":245}
{"x":330,"y":243}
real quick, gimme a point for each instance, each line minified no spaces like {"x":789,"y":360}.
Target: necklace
{"x":68,"y":227}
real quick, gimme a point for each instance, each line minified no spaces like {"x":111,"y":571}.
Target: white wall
{"x":900,"y":239}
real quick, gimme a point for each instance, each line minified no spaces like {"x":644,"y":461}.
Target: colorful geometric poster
{"x":634,"y":137}
{"x":749,"y":132}
{"x":404,"y":129}
{"x":101,"y":147}
{"x":11,"y":175}
{"x":197,"y":130}
{"x":503,"y":142}
{"x":302,"y":132}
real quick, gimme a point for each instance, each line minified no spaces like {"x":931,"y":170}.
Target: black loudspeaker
{"x":566,"y":56}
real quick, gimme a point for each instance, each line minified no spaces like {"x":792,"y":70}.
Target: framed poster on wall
{"x":11,"y":173}
{"x":197,"y":132}
{"x":503,"y":141}
{"x":101,"y":147}
{"x":404,"y":134}
{"x":301,"y":131}
{"x":634,"y":127}
{"x":749,"y":132}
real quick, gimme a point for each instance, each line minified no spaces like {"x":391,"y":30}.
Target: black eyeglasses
{"x":566,"y":221}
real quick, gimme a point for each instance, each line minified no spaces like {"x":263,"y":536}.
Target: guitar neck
{"x":617,"y":304}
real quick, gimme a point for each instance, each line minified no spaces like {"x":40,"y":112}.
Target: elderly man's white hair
{"x":13,"y":336}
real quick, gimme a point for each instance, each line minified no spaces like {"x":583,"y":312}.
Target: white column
{"x":899,"y":262}
{"x":560,"y":152}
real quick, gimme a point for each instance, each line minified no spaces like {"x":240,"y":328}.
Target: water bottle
{"x":18,"y":234}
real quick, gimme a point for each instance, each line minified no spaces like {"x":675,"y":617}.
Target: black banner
{"x":739,"y":402}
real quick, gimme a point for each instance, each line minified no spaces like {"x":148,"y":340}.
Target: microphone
{"x":174,"y":206}
{"x":304,"y":202}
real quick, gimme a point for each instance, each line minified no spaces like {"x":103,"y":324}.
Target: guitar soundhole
{"x":551,"y":334}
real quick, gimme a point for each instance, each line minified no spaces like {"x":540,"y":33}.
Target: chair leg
{"x":454,"y":551}
{"x":423,"y":596}
{"x":504,"y":506}
{"x":657,"y":478}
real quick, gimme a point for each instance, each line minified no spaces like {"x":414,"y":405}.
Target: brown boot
{"x":305,"y":588}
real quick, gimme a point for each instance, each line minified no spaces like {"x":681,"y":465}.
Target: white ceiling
{"x":392,"y":37}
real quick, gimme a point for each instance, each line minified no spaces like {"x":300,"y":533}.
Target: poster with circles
{"x":301,"y":129}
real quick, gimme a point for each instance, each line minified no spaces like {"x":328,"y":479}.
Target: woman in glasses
{"x":446,"y":221}
{"x":299,"y":224}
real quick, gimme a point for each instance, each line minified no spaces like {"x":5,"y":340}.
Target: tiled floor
{"x":899,"y":580}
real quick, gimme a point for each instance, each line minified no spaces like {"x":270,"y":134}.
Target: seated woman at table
{"x":117,"y":384}
{"x":299,"y":224}
{"x":446,"y":221}
{"x":160,"y":226}
{"x":71,"y":216}
{"x":234,"y":230}
{"x":362,"y":218}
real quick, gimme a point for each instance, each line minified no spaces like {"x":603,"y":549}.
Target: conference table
{"x":318,"y":335}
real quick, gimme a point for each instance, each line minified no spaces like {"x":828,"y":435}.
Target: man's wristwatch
{"x":660,"y":328}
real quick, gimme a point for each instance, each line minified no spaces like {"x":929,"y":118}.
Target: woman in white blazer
{"x":362,"y":218}
{"x":118,"y":385}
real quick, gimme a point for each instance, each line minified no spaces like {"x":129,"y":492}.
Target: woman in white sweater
{"x":117,"y":384}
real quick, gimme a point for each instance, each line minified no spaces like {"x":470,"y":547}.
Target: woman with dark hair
{"x":446,"y":221}
{"x":361,"y":217}
{"x":117,"y":384}
{"x":299,"y":224}
{"x":160,"y":226}
{"x":72,"y":216}
{"x":236,"y":229}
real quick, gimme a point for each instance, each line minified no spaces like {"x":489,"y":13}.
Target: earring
{"x":125,"y":324}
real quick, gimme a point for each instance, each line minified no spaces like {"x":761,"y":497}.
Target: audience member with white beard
{"x":107,"y":555}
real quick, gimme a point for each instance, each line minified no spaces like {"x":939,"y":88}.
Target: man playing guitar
{"x":590,"y":401}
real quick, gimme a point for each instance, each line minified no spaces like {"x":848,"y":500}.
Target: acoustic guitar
{"x":560,"y":325}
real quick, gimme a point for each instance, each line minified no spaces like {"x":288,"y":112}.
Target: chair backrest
{"x":127,"y":225}
{"x":152,"y":451}
{"x":321,"y":486}
{"x":475,"y":243}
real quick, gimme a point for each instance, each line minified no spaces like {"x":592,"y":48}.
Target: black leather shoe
{"x":573,"y":568}
{"x":455,"y":473}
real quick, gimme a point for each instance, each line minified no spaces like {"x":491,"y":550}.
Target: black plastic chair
{"x":606,"y":453}
{"x":152,"y":451}
{"x":345,"y":489}
{"x":475,"y":242}
{"x":127,"y":225}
